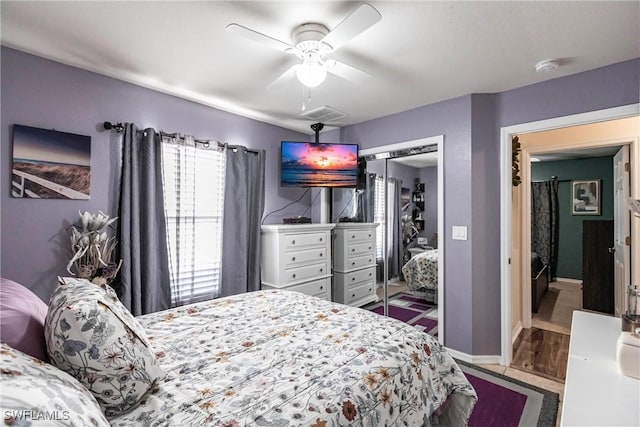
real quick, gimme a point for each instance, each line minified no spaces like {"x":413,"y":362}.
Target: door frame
{"x":506,"y":134}
{"x":437,"y":140}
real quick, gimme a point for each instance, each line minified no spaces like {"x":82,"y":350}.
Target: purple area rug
{"x":506,"y":402}
{"x":399,"y":313}
{"x":411,"y":310}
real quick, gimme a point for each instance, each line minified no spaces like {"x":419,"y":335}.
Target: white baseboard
{"x":516,"y":331}
{"x":476,"y":360}
{"x":564,"y":279}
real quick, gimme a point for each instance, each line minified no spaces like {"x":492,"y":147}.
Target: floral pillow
{"x":35,"y":392}
{"x":93,"y":337}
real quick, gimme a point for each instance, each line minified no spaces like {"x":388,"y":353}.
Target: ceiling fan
{"x":312,"y":42}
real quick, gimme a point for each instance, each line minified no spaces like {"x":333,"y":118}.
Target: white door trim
{"x":437,"y":140}
{"x":506,"y":134}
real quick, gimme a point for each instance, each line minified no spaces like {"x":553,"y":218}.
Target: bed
{"x":278,"y":358}
{"x":421,"y":275}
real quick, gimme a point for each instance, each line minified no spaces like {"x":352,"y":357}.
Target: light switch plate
{"x":459,"y":232}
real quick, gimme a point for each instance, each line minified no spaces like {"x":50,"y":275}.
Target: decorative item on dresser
{"x":297,"y":258}
{"x":354,"y":263}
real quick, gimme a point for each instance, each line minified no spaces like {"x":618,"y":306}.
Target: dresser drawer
{"x":361,"y":261}
{"x":293,"y":275}
{"x":359,"y":293}
{"x":302,"y":257}
{"x":357,"y":277}
{"x":360,"y":235}
{"x":293,"y":242}
{"x":317,"y":288}
{"x":359,"y":249}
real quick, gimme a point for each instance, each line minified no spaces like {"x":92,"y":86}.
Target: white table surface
{"x":596,"y":393}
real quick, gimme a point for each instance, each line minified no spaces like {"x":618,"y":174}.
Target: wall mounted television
{"x":305,"y":164}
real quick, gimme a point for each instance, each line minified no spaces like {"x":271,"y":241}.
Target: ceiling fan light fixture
{"x":311,"y":73}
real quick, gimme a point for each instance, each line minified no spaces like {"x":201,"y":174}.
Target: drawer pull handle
{"x":293,"y":242}
{"x":321,"y":239}
{"x":322,"y":287}
{"x":321,"y":270}
{"x":320,"y":254}
{"x":353,"y":278}
{"x":353,"y":295}
{"x":293,"y":258}
{"x":353,"y":249}
{"x":369,"y":289}
{"x":294,"y":275}
{"x":369,"y":234}
{"x":353,"y":263}
{"x":369,"y":247}
{"x":369,"y":259}
{"x":353,"y":236}
{"x":369,"y":274}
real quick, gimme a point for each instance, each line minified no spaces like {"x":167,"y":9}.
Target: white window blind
{"x":194,"y":198}
{"x":378,"y":216}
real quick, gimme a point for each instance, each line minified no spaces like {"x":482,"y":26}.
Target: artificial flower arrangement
{"x":93,"y":249}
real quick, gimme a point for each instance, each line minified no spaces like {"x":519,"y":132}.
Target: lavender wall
{"x":41,"y":93}
{"x":470,"y":126}
{"x":452,"y":119}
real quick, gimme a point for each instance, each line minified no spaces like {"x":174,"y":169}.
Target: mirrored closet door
{"x":397,"y":195}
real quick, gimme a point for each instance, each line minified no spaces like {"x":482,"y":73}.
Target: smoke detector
{"x":547,"y":65}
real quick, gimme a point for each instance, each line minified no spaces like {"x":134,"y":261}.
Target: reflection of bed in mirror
{"x":421,"y":275}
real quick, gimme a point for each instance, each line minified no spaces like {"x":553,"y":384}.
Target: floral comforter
{"x":278,"y":358}
{"x":421,"y":271}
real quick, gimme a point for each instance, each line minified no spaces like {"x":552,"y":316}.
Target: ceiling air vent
{"x":324,"y":114}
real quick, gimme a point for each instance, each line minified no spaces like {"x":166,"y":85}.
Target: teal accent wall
{"x":570,"y":226}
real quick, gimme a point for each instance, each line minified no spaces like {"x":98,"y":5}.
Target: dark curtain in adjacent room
{"x":144,"y":277}
{"x":243,"y":209}
{"x":544,"y":223}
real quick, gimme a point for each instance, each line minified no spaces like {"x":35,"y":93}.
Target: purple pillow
{"x":22,"y":316}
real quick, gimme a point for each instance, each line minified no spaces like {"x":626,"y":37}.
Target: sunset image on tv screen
{"x":319,"y":165}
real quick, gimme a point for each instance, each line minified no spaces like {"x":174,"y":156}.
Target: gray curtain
{"x":243,"y":209}
{"x":544,"y":223}
{"x":394,"y":222}
{"x":365,"y":199}
{"x":144,"y":277}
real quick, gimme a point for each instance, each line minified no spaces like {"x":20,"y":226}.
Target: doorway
{"x":514,"y":267}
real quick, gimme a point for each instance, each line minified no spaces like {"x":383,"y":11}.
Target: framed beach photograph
{"x":48,"y":164}
{"x":585,"y":197}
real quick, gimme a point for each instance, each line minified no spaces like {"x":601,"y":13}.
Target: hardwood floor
{"x":543,"y":350}
{"x":543,"y":353}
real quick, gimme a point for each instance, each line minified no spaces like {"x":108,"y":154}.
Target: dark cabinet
{"x":597,"y":266}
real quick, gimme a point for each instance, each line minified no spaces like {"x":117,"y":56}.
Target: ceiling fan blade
{"x":345,"y":71}
{"x":260,"y":38}
{"x":287,"y":75}
{"x":354,"y":24}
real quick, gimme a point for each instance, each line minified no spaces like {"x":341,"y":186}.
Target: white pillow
{"x":93,"y":337}
{"x":35,"y":392}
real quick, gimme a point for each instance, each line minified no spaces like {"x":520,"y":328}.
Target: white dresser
{"x":595,"y":392}
{"x":354,"y":263}
{"x":297,"y":258}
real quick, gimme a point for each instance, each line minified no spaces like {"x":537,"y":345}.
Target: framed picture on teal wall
{"x":585,"y":197}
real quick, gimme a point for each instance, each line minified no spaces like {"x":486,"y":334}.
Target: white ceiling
{"x":577,"y":154}
{"x":419,"y":53}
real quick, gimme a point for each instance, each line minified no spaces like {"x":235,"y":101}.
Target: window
{"x":378,"y":216}
{"x":194,"y":198}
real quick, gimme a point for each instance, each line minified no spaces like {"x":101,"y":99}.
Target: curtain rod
{"x":119,"y":127}
{"x":555,"y":178}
